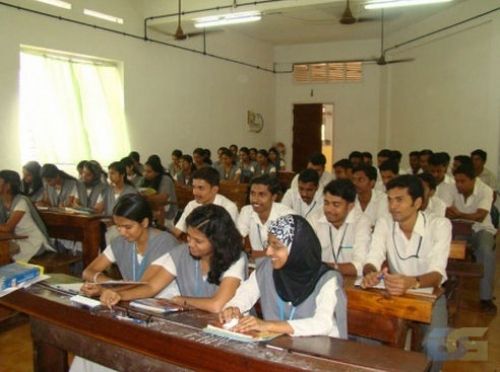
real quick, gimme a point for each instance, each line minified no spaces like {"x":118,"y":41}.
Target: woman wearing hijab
{"x":299,"y":295}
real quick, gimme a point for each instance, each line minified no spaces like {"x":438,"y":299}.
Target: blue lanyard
{"x":281,"y":307}
{"x":310,"y":209}
{"x":197,"y":278}
{"x":141,"y":267}
{"x":337,"y":256}
{"x":262,"y":243}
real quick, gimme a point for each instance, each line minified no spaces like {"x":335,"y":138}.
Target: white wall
{"x":356,"y":104}
{"x":173,"y":98}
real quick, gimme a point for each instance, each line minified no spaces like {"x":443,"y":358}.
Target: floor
{"x":16,"y":350}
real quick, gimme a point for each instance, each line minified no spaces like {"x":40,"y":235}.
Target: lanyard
{"x":337,"y":256}
{"x":396,"y":247}
{"x":197,"y":277}
{"x":310,"y":209}
{"x":262,"y":243}
{"x":281,"y":307}
{"x":139,"y":268}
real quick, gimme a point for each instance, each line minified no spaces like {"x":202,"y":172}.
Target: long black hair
{"x":12,"y":178}
{"x":155,"y":163}
{"x":34,"y":168}
{"x":122,"y":171}
{"x":51,"y":171}
{"x":133,"y":207}
{"x":217,"y":225}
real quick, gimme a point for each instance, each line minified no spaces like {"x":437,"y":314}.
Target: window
{"x":327,"y":72}
{"x":71,"y":108}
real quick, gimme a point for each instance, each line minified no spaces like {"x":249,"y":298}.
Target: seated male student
{"x":316,"y":162}
{"x":472,"y":201}
{"x":478,"y":158}
{"x":416,"y":246}
{"x":382,"y":156}
{"x":414,"y":161}
{"x":307,"y":197}
{"x":424,"y":157}
{"x":445,"y":187}
{"x":343,"y":231}
{"x":388,"y":170}
{"x":356,"y":158}
{"x":343,"y":169}
{"x":431,"y":202}
{"x":372,"y":203}
{"x":396,"y":155}
{"x":255,"y":218}
{"x":205,"y":191}
{"x":367,"y":158}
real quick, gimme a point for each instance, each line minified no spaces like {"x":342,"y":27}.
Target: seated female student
{"x":19,"y":216}
{"x":175,"y":166}
{"x":60,"y":188}
{"x":155,"y":178}
{"x":208,"y":271}
{"x":32,"y":184}
{"x":264,"y":166}
{"x":275,"y":159}
{"x":227,"y":169}
{"x":185,"y":176}
{"x":135,"y":249}
{"x":92,"y":188}
{"x":299,"y":295}
{"x":247,"y":166}
{"x":132,"y":175}
{"x":119,"y":185}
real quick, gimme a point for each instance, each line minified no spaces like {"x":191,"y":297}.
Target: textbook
{"x":156,"y":305}
{"x":253,"y":336}
{"x":15,"y":274}
{"x":420,"y":291}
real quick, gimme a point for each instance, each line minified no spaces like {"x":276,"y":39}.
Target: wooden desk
{"x":172,"y":341}
{"x":5,"y":238}
{"x":458,"y":250}
{"x":80,"y":227}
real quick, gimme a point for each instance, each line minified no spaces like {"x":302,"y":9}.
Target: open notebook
{"x":255,"y":336}
{"x":422,"y":291}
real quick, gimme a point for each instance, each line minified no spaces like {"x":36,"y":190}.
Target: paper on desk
{"x":26,"y":284}
{"x":117,"y":283}
{"x":381,"y":285}
{"x":71,"y":287}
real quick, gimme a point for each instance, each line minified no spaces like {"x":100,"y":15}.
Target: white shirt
{"x":445,"y":192}
{"x":321,"y":323}
{"x":430,"y":240}
{"x":324,"y":180}
{"x":220,"y":200}
{"x":236,"y":270}
{"x":349,"y":243}
{"x":293,"y":200}
{"x":436,"y":206}
{"x":481,"y":198}
{"x":377,"y":207}
{"x":250,"y":224}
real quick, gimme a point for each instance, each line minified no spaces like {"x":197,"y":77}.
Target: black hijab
{"x":296,"y":280}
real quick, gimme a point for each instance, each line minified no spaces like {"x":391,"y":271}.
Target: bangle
{"x":94,"y":278}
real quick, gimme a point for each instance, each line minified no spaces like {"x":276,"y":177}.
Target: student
{"x":372,"y":203}
{"x":246,"y":166}
{"x":32,"y":184}
{"x":119,"y":185}
{"x":19,"y":216}
{"x":423,"y":159}
{"x":275,"y":159}
{"x":207,"y":157}
{"x":61,"y":189}
{"x":220,"y":151}
{"x":92,"y":189}
{"x":343,"y":231}
{"x":264,"y":166}
{"x":316,"y":162}
{"x":185,"y":176}
{"x":79,"y":168}
{"x":136,"y":158}
{"x":132,"y":175}
{"x":478,"y":158}
{"x":383,"y":155}
{"x":255,"y":218}
{"x":205,"y":191}
{"x":343,"y":169}
{"x":472,"y":201}
{"x":431,"y":203}
{"x":307,"y":197}
{"x":356,"y":158}
{"x":102,"y":174}
{"x":175,"y":166}
{"x":414,"y":160}
{"x":416,"y":246}
{"x":253,"y":154}
{"x":199,"y":158}
{"x":458,"y":160}
{"x":396,"y":156}
{"x":388,"y":170}
{"x":367,"y":158}
{"x":228,"y":171}
{"x":136,"y":247}
{"x":299,"y":295}
{"x":445,"y":187}
{"x":234,"y":149}
{"x":208,"y":271}
{"x":156,"y":179}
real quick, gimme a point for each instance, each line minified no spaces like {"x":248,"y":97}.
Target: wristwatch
{"x":417,"y":284}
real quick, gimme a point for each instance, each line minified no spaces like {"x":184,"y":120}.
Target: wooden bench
{"x":236,"y":192}
{"x":56,"y":262}
{"x":285,"y":178}
{"x":184,"y":196}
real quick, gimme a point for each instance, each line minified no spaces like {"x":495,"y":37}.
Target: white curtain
{"x":71,"y":111}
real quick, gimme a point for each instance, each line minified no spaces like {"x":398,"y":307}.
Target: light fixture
{"x":379,"y":4}
{"x":227,"y":19}
{"x":106,"y":17}
{"x":58,"y":3}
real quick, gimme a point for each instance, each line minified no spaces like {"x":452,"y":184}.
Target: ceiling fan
{"x":347,"y":17}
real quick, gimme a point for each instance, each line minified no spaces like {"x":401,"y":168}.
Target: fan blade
{"x":402,"y":60}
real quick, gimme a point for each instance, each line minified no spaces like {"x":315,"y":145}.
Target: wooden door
{"x":307,"y":119}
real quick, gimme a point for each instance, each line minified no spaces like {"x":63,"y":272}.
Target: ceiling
{"x":300,"y":22}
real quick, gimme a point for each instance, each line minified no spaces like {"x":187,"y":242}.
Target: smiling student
{"x":208,"y":270}
{"x":299,"y":295}
{"x":307,"y":197}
